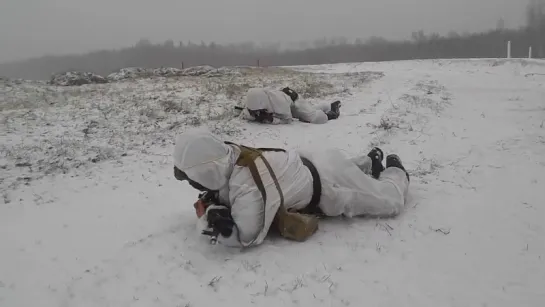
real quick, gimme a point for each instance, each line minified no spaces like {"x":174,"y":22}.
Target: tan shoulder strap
{"x":247,"y":159}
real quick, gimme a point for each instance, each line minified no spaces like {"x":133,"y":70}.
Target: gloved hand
{"x":219,"y":219}
{"x":204,"y":200}
{"x":200,"y":207}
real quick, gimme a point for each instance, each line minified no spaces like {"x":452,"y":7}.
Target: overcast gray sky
{"x":31,"y":28}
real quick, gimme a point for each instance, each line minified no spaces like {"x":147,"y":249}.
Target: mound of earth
{"x":197,"y":70}
{"x":130,"y":73}
{"x":72,"y":78}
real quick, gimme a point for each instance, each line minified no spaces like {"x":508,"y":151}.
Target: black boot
{"x":335,"y":111}
{"x":293,"y":94}
{"x":376,"y":156}
{"x":394,"y":161}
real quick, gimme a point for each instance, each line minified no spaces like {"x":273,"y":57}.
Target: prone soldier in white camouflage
{"x":282,"y":106}
{"x":256,"y":188}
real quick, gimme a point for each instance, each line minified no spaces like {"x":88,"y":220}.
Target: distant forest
{"x":488,"y":44}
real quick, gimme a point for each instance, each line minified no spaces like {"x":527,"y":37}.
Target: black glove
{"x":376,"y":156}
{"x":220,"y":220}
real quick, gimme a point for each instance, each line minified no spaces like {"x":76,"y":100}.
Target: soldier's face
{"x":178,"y":174}
{"x":197,"y":185}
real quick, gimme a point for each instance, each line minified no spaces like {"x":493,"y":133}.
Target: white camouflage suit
{"x":347,"y":187}
{"x":283,"y":108}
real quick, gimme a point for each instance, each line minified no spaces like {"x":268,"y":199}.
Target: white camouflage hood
{"x":204,"y":158}
{"x":274,"y":101}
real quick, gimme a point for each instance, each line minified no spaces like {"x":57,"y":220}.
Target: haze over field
{"x":34,"y":28}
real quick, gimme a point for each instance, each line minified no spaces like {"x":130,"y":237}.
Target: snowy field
{"x":91,"y":215}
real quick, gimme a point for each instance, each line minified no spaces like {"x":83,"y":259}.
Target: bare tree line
{"x":488,"y":44}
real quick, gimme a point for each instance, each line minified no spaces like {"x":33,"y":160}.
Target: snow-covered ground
{"x":90,"y":214}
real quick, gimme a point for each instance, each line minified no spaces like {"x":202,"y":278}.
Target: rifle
{"x":209,"y":198}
